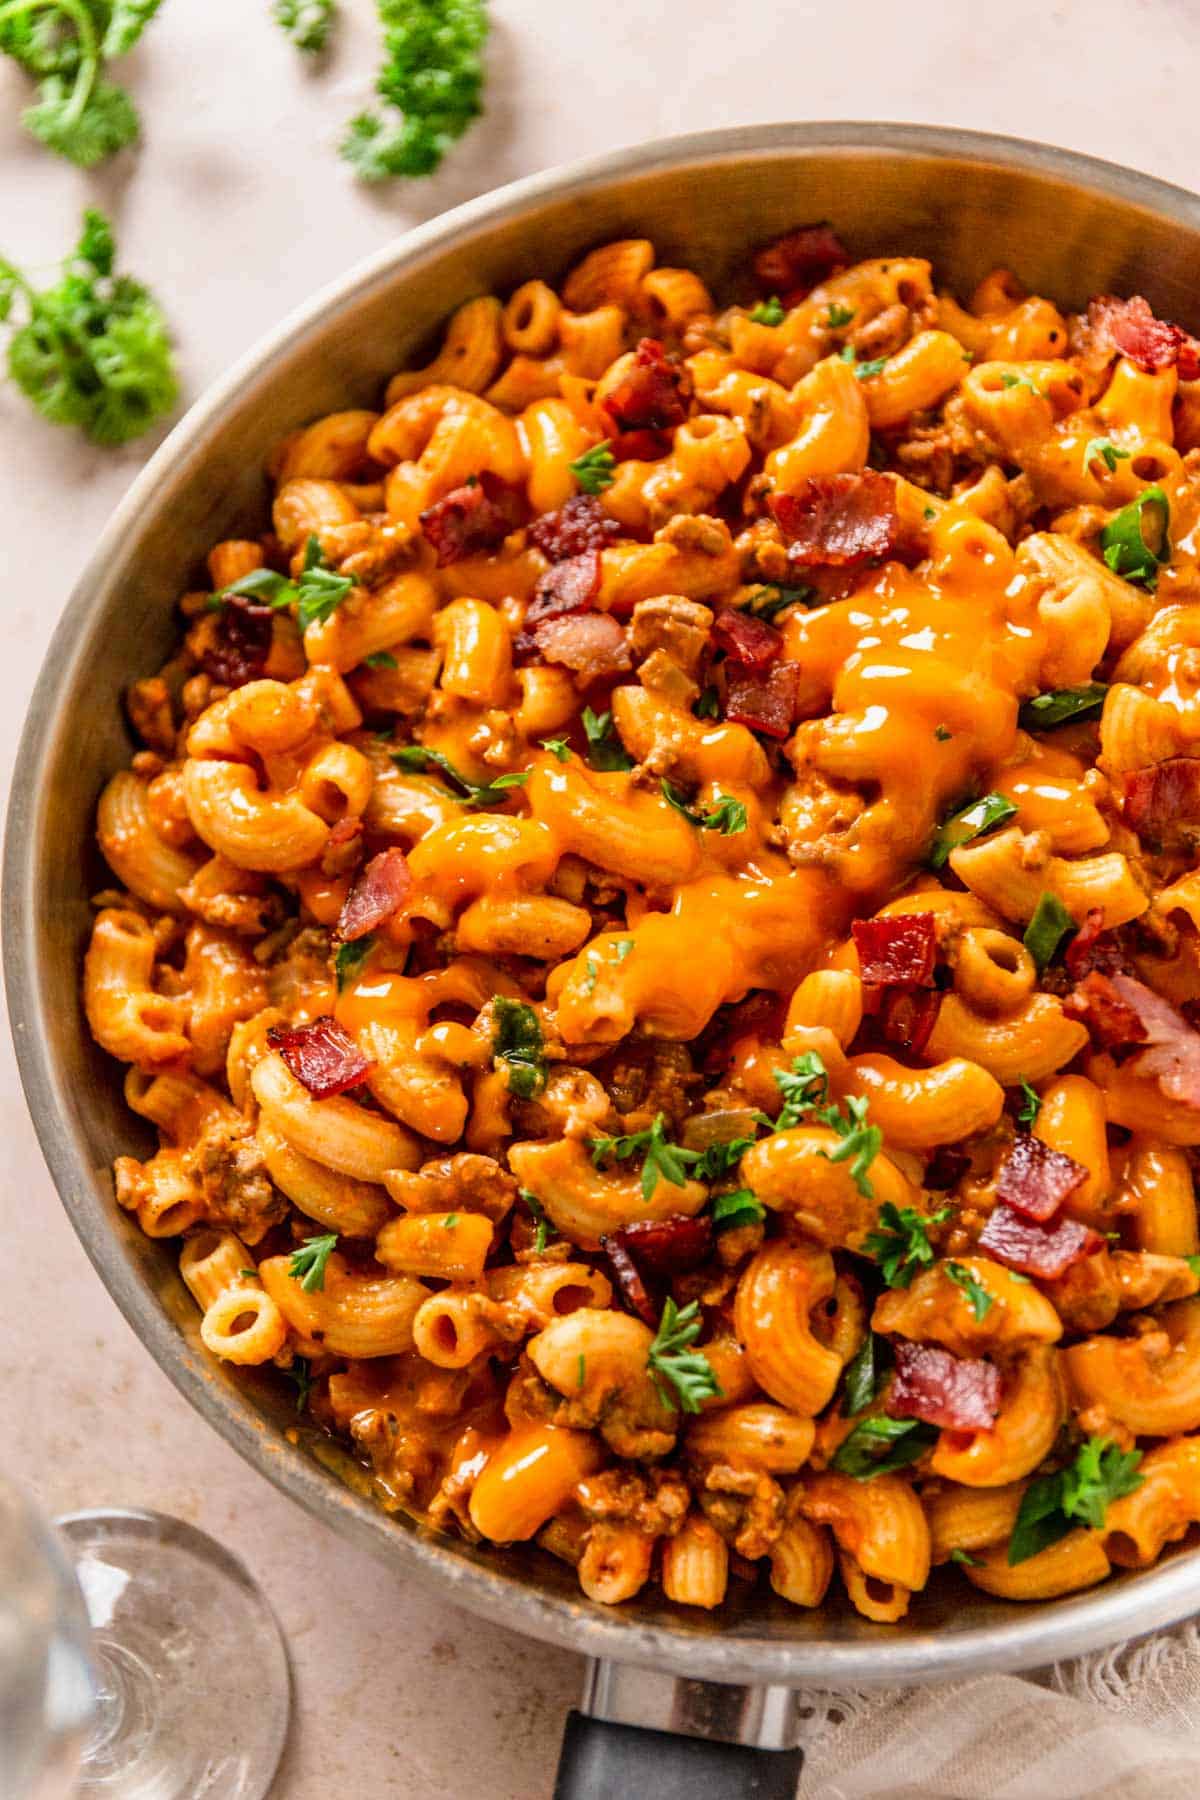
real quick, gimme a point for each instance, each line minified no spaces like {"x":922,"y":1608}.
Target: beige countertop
{"x":236,"y":209}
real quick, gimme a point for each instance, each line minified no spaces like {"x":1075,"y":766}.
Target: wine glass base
{"x":194,"y":1690}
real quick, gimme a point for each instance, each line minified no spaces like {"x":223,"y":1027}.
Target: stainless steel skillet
{"x":1070,"y":227}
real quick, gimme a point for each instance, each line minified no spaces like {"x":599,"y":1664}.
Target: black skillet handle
{"x":645,"y":1733}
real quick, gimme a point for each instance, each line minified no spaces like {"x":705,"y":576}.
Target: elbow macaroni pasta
{"x":537,"y":702}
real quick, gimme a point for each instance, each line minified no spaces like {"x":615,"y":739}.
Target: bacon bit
{"x":749,"y":641}
{"x":343,"y":848}
{"x":470,"y":519}
{"x":1131,"y":327}
{"x":380,"y":890}
{"x":633,"y":1289}
{"x":765,"y":703}
{"x":580,"y":524}
{"x":568,"y":587}
{"x":760,"y":1014}
{"x":1163,"y":803}
{"x":1035,"y":1180}
{"x":1112,"y":1021}
{"x":240,"y":643}
{"x":1093,"y":947}
{"x":320,"y":1055}
{"x":843,"y":521}
{"x":907,"y":1019}
{"x":1046,"y":1251}
{"x":801,"y":259}
{"x":666,"y":1247}
{"x":590,"y":644}
{"x":653,"y":393}
{"x":639,"y":446}
{"x":899,"y":951}
{"x":956,"y":1393}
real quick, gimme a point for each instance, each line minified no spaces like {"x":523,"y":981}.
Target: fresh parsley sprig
{"x":900,"y":1243}
{"x":431,"y":84}
{"x":671,"y":1360}
{"x":308,"y":1262}
{"x":664,"y":1160}
{"x":727,"y":816}
{"x":1080,"y":1494}
{"x":877,"y":1446}
{"x":94,"y":350}
{"x":476,"y":793}
{"x":316,"y":593}
{"x":981,"y":1301}
{"x":307,"y":23}
{"x":66,"y":46}
{"x":804,"y":1086}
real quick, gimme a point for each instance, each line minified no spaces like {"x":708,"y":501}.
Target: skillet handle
{"x":642,"y":1732}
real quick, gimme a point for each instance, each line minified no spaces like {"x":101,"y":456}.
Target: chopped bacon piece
{"x":1112,"y":1021}
{"x":842,"y":521}
{"x":590,"y":644}
{"x":653,"y":393}
{"x":906,"y":1017}
{"x":1171,"y":1056}
{"x":765,"y":703}
{"x":1035,"y":1180}
{"x":240,"y":644}
{"x":568,"y":587}
{"x":760,"y":1014}
{"x":897,"y":951}
{"x":1093,"y":947}
{"x":580,"y":524}
{"x":1131,"y":327}
{"x":797,"y":262}
{"x":956,"y":1393}
{"x":666,"y":1247}
{"x":343,"y":848}
{"x":380,"y":890}
{"x":320,"y":1055}
{"x":1162,"y":803}
{"x":471,"y":519}
{"x":749,"y":641}
{"x":632,"y":1288}
{"x":1046,"y":1251}
{"x":639,"y":446}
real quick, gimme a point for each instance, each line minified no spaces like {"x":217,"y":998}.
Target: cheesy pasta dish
{"x":656,"y":919}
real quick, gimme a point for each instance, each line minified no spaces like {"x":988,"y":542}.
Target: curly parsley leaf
{"x":518,"y":1043}
{"x":671,"y":1162}
{"x":308,"y":1262}
{"x":431,"y":84}
{"x":717,"y":1161}
{"x":94,"y":350}
{"x":769,"y":312}
{"x":605,"y":749}
{"x":742,"y":1207}
{"x":900,"y":1244}
{"x":878,"y":1446}
{"x":861,"y":1143}
{"x":595,"y":470}
{"x":838,"y":315}
{"x":803,"y":1086}
{"x":981,"y":1301}
{"x":671,"y":1360}
{"x":488,"y":793}
{"x":967,"y":824}
{"x":1050,"y":924}
{"x":1058,"y":705}
{"x":1134,"y":545}
{"x":727,"y":817}
{"x":307,"y":23}
{"x":65,"y":46}
{"x":1080,"y":1494}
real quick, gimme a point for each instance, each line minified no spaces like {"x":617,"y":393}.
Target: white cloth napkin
{"x":1118,"y":1725}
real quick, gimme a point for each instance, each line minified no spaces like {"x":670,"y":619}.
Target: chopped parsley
{"x":768,"y":601}
{"x":941,"y":734}
{"x":306,"y":22}
{"x":708,"y":706}
{"x":1049,"y":925}
{"x":981,"y":1301}
{"x":769,"y":312}
{"x":381,"y":659}
{"x":581,"y":1370}
{"x":805,"y":1089}
{"x":803,"y":1086}
{"x":558,"y":747}
{"x":487,"y":793}
{"x":542,"y":1225}
{"x":838,"y":315}
{"x":595,"y":470}
{"x":1127,"y":549}
{"x":593,"y":970}
{"x":319,"y":591}
{"x":1080,"y":1494}
{"x":958,"y":1555}
{"x":605,"y":749}
{"x":1102,"y":449}
{"x":1009,"y":380}
{"x":742,"y":1207}
{"x":672,"y":1360}
{"x":350,"y":958}
{"x":1193,"y":1263}
{"x":900,"y":1244}
{"x":877,"y":1446}
{"x":431,"y":83}
{"x":970,"y":822}
{"x":865,"y":1374}
{"x":1060,"y":704}
{"x":300,"y":1372}
{"x":719,"y":1159}
{"x":865,"y":371}
{"x":671,"y":1162}
{"x":308,"y":1262}
{"x":518,"y":1043}
{"x":727,"y":817}
{"x":450,"y":1221}
{"x":1030,"y":1107}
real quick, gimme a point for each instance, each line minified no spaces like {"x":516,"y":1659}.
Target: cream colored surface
{"x":236,"y":209}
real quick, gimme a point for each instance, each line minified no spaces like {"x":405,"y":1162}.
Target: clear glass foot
{"x":193,"y":1689}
